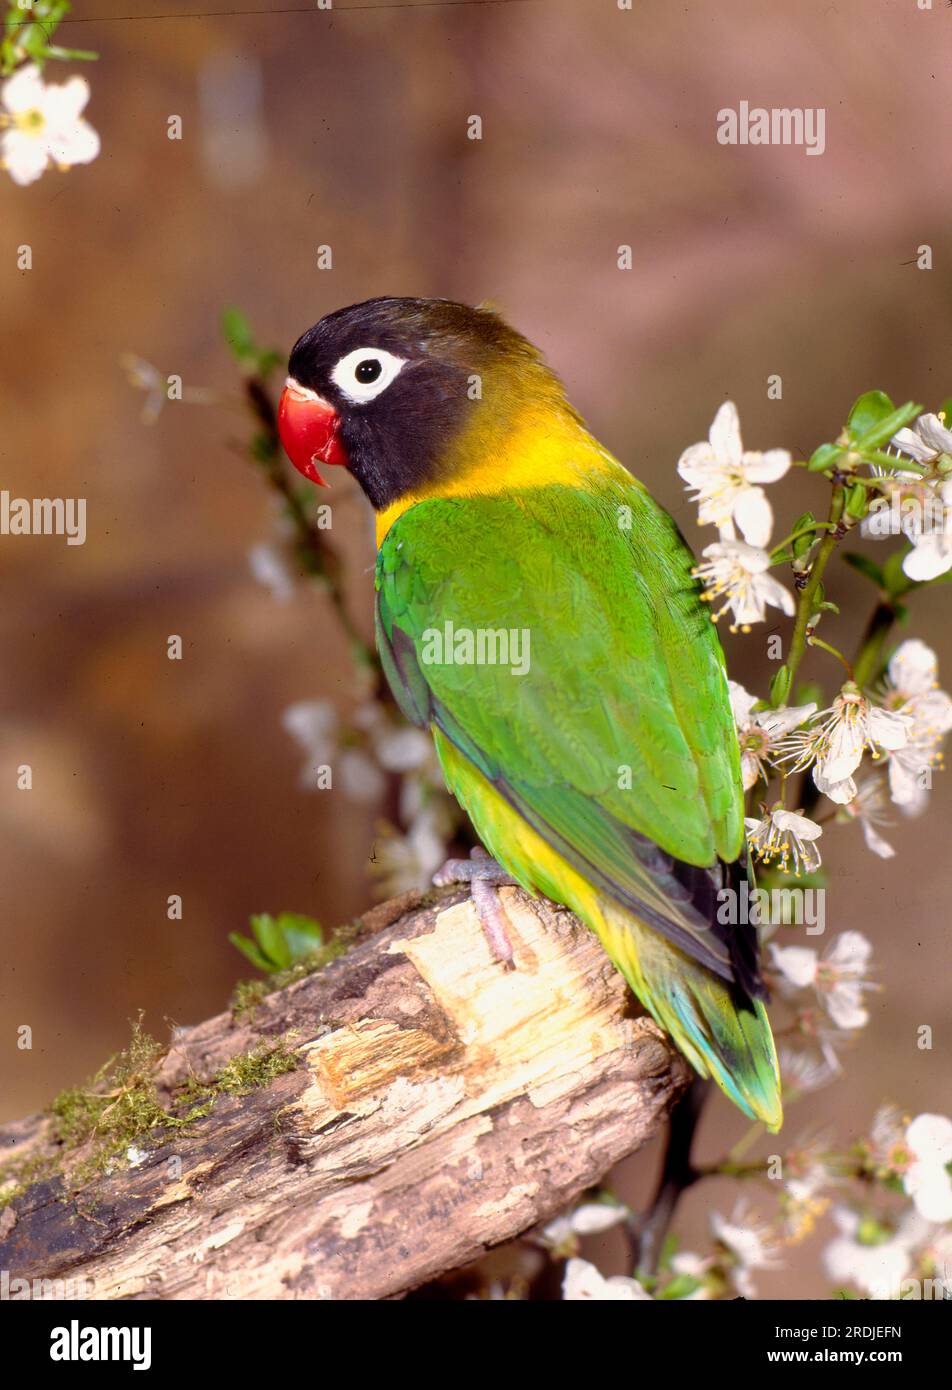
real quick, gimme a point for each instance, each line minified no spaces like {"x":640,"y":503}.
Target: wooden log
{"x":438,"y":1104}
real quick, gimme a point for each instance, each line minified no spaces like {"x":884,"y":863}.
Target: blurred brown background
{"x":348,"y":127}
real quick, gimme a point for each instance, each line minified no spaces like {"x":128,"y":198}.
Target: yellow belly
{"x":533,"y":863}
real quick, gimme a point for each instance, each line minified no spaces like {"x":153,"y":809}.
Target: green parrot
{"x":536,"y":611}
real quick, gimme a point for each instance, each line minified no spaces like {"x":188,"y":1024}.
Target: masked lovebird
{"x":536,"y":611}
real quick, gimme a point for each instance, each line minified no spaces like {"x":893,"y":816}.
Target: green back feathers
{"x":625,"y":701}
{"x":616,"y":742}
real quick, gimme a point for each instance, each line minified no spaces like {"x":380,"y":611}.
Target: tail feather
{"x":720,"y":1028}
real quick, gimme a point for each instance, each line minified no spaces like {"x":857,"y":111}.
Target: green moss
{"x":119,"y":1104}
{"x":311,"y":963}
{"x":17,"y":1176}
{"x":93,"y":1126}
{"x":248,"y":994}
{"x":246,"y":1072}
{"x":246,"y":997}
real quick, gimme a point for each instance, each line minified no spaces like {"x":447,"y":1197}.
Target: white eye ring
{"x":344,"y":376}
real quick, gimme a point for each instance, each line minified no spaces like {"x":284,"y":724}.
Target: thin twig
{"x":678,"y":1173}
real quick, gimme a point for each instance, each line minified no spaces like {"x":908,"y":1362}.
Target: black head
{"x":391,"y":387}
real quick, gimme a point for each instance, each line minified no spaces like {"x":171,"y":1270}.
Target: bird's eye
{"x":364,"y":373}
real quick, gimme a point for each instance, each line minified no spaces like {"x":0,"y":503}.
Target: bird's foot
{"x":484,"y":875}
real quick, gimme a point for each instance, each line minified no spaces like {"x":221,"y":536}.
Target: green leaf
{"x":301,"y":935}
{"x":238,"y":334}
{"x":268,"y":360}
{"x":241,"y":341}
{"x":873,"y":1232}
{"x":249,"y":949}
{"x":279,"y":942}
{"x":268,"y":936}
{"x":895,"y":581}
{"x":946,"y":409}
{"x":802,"y":544}
{"x":263,"y":448}
{"x":857,"y":502}
{"x":668,"y":1250}
{"x":780,"y":686}
{"x":893,"y":463}
{"x":71,"y":55}
{"x":827,"y":456}
{"x":865,"y":566}
{"x":883,"y":430}
{"x":681,"y":1285}
{"x":868,"y":411}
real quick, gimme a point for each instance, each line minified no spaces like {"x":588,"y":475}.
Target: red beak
{"x":309,"y":429}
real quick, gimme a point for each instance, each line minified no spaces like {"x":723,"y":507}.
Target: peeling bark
{"x":441,"y":1105}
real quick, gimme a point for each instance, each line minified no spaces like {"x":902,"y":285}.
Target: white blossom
{"x":816,"y":1025}
{"x":860,"y":1256}
{"x":314,"y":724}
{"x":269,"y":566}
{"x":42,"y":123}
{"x":804,"y":1071}
{"x":358,"y":776}
{"x":590,"y":1218}
{"x":912,"y":689}
{"x":803,"y":1199}
{"x":749,"y":1241}
{"x":760,"y":733}
{"x":926,"y":1179}
{"x":738,"y":573}
{"x":691,"y":1265}
{"x":148,"y":378}
{"x":936,"y":1253}
{"x":835,"y":745}
{"x":869,"y":808}
{"x":406,"y":861}
{"x":888,"y":1138}
{"x":583,"y":1283}
{"x":144,"y":376}
{"x":726,"y":477}
{"x":920,"y":509}
{"x":837,"y":976}
{"x":397,"y":746}
{"x":920,"y":1152}
{"x":927,"y":439}
{"x":931,"y":553}
{"x":788,"y":837}
{"x":316,"y":727}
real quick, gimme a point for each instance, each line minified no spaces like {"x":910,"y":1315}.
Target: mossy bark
{"x":362,"y":1130}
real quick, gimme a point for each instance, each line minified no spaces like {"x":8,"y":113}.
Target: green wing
{"x":617,"y":743}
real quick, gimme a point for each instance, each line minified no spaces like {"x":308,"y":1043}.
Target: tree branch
{"x":436,"y":1105}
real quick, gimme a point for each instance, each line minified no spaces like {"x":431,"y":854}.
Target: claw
{"x":484,"y":875}
{"x":494,"y":922}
